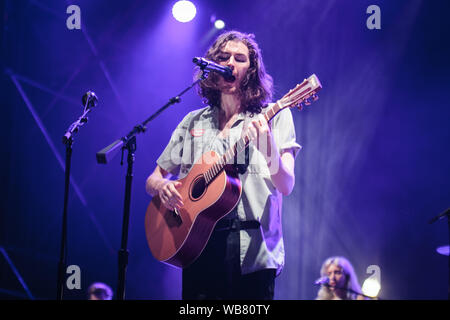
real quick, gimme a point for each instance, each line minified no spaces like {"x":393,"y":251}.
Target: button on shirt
{"x":198,"y":133}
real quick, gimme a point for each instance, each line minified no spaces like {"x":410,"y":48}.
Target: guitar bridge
{"x":173,"y":218}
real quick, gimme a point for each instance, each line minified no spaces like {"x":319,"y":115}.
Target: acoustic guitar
{"x":209,"y":192}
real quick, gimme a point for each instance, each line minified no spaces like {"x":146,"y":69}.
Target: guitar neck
{"x":303,"y":94}
{"x":238,"y":147}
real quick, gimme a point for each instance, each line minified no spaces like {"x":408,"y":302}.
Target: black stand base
{"x":123,"y":252}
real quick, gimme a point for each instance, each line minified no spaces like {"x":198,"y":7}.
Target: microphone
{"x":205,"y":64}
{"x":322,"y":281}
{"x":91,"y":100}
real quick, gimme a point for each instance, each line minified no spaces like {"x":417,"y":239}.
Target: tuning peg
{"x":307,"y":101}
{"x":315,"y":97}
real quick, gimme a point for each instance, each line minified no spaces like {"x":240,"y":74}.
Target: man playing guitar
{"x":245,"y":250}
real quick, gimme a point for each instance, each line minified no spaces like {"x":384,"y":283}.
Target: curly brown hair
{"x":256,"y":89}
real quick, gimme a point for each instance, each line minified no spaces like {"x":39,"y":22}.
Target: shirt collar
{"x":213,"y":112}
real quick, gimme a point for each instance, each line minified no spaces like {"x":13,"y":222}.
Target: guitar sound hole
{"x":198,"y":187}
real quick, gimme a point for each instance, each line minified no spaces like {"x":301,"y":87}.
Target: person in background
{"x":99,"y":291}
{"x":340,"y":281}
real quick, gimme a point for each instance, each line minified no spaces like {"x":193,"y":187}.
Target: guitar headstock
{"x":302,"y":95}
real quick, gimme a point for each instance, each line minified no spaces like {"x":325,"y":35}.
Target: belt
{"x":234,"y":224}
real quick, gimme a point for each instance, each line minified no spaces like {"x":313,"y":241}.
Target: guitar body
{"x":178,"y":238}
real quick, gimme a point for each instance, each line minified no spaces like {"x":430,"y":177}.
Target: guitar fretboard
{"x":237,"y":148}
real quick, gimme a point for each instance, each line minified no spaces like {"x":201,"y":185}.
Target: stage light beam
{"x":184,"y":11}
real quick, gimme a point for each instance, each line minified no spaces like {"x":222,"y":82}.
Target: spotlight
{"x":371,"y":287}
{"x":184,"y":11}
{"x":219,"y":24}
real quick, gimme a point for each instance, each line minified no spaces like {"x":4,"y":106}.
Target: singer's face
{"x":336,"y":276}
{"x":235,"y":56}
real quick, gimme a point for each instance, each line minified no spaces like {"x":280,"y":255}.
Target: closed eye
{"x":238,"y":57}
{"x":223,"y":57}
{"x":241,"y":58}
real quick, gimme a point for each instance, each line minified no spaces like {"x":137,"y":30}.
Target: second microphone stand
{"x":445,"y":214}
{"x":348,"y":290}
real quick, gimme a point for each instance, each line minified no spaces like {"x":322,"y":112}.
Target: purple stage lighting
{"x":184,"y":11}
{"x":219,"y":24}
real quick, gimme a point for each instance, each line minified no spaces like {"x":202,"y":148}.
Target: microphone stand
{"x":128,"y":143}
{"x":89,"y":101}
{"x":440,"y":216}
{"x":348,"y":290}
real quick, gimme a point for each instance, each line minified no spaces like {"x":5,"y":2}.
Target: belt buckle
{"x":235,"y":225}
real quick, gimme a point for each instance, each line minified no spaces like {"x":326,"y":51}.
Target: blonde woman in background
{"x":341,"y":282}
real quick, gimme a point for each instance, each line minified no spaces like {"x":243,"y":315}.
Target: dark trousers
{"x":216,"y":274}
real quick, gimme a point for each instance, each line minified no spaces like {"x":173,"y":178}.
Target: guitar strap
{"x":241,"y":161}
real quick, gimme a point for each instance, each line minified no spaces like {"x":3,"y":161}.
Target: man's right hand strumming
{"x":159,"y":184}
